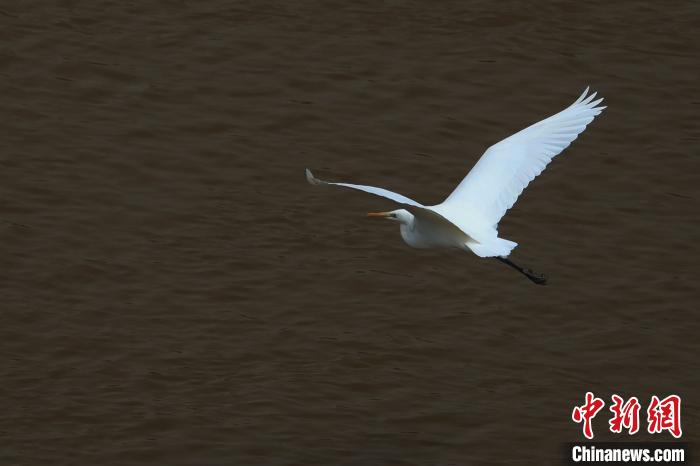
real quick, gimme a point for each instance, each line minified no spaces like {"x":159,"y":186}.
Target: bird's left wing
{"x":368,"y":189}
{"x":506,"y":168}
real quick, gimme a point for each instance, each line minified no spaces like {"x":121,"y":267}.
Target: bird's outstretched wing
{"x":368,"y":189}
{"x":416,"y":208}
{"x":506,"y":168}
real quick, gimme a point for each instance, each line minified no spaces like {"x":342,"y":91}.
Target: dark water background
{"x":174,"y":293}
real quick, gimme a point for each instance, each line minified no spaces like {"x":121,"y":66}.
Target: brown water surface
{"x":174,"y":293}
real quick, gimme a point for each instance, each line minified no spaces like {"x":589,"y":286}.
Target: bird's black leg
{"x":534,"y":277}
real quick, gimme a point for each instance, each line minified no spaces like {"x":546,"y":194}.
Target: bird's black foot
{"x":537,"y":278}
{"x":532,"y":276}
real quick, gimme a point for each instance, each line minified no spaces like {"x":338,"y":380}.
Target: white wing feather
{"x":506,"y":168}
{"x":368,"y":189}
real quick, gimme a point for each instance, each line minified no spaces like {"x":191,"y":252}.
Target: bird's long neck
{"x":409,"y":222}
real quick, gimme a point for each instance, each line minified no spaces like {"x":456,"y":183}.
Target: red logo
{"x":662,"y":415}
{"x":665,"y":415}
{"x":587,"y":412}
{"x":624,"y":415}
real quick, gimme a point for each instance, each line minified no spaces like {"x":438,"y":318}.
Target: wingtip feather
{"x":589,"y":98}
{"x":311,"y":178}
{"x":582,"y":96}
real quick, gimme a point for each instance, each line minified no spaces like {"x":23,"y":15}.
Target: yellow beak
{"x":378,"y":214}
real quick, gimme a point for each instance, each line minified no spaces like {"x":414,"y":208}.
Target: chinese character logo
{"x":624,"y":415}
{"x":587,"y":412}
{"x":665,"y":415}
{"x":662,"y":415}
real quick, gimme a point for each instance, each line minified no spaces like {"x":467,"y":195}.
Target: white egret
{"x":468,"y":218}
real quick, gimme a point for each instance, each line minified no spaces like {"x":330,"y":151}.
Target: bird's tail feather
{"x":497,"y":247}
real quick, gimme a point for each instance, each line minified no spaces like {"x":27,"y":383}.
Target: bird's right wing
{"x":416,"y":208}
{"x":506,"y":168}
{"x":368,"y":189}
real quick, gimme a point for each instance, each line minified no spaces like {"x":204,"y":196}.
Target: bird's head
{"x":401,"y":215}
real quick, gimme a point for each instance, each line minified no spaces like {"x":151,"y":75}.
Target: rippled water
{"x":173,"y":292}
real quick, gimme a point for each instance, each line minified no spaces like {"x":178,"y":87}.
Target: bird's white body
{"x":425,"y":232}
{"x":468,"y":218}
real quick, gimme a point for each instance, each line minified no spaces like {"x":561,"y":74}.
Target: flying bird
{"x":468,"y":218}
